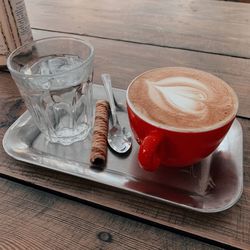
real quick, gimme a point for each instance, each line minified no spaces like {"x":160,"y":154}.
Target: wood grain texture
{"x":231,"y":227}
{"x":211,"y":26}
{"x":11,"y":104}
{"x":33,"y":219}
{"x":124,"y":61}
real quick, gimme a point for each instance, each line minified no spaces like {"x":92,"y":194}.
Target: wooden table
{"x":42,"y":209}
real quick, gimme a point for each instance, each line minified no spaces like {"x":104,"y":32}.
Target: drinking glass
{"x":54,"y":76}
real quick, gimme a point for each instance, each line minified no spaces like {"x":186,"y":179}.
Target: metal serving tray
{"x":213,"y":185}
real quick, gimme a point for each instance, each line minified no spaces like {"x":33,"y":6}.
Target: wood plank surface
{"x":231,"y":227}
{"x":124,"y":61}
{"x":33,"y":219}
{"x":211,"y":26}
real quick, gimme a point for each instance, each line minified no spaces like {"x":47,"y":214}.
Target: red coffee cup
{"x":170,"y":147}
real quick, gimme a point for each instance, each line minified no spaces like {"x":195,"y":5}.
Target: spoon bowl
{"x":119,"y":141}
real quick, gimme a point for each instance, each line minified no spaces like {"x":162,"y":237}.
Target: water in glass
{"x":61,"y":106}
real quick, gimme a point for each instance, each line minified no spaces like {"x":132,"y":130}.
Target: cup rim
{"x":20,"y":74}
{"x":182,"y":130}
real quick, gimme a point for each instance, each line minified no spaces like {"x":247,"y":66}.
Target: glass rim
{"x":15,"y":52}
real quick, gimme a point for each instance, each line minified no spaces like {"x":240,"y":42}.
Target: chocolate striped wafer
{"x":100,"y":133}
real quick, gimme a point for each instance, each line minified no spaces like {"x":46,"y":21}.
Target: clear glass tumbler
{"x":54,"y":76}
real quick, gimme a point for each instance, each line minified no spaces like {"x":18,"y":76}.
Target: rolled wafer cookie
{"x":98,"y":153}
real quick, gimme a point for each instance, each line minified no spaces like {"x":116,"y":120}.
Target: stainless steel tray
{"x":213,"y":185}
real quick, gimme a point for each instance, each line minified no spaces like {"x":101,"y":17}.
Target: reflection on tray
{"x":211,"y":179}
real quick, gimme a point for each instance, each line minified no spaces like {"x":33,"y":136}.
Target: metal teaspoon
{"x":119,"y":139}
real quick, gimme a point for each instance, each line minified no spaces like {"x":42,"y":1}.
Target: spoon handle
{"x":108,"y":88}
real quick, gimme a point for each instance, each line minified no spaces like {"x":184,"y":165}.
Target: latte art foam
{"x":181,"y":93}
{"x":182,"y":98}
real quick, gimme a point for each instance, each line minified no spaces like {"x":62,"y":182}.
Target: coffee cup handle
{"x":148,"y":156}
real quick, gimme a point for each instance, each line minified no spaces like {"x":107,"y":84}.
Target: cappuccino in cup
{"x":179,"y":115}
{"x":182,"y":99}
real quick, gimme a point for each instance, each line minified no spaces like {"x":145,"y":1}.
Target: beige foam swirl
{"x":184,"y":94}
